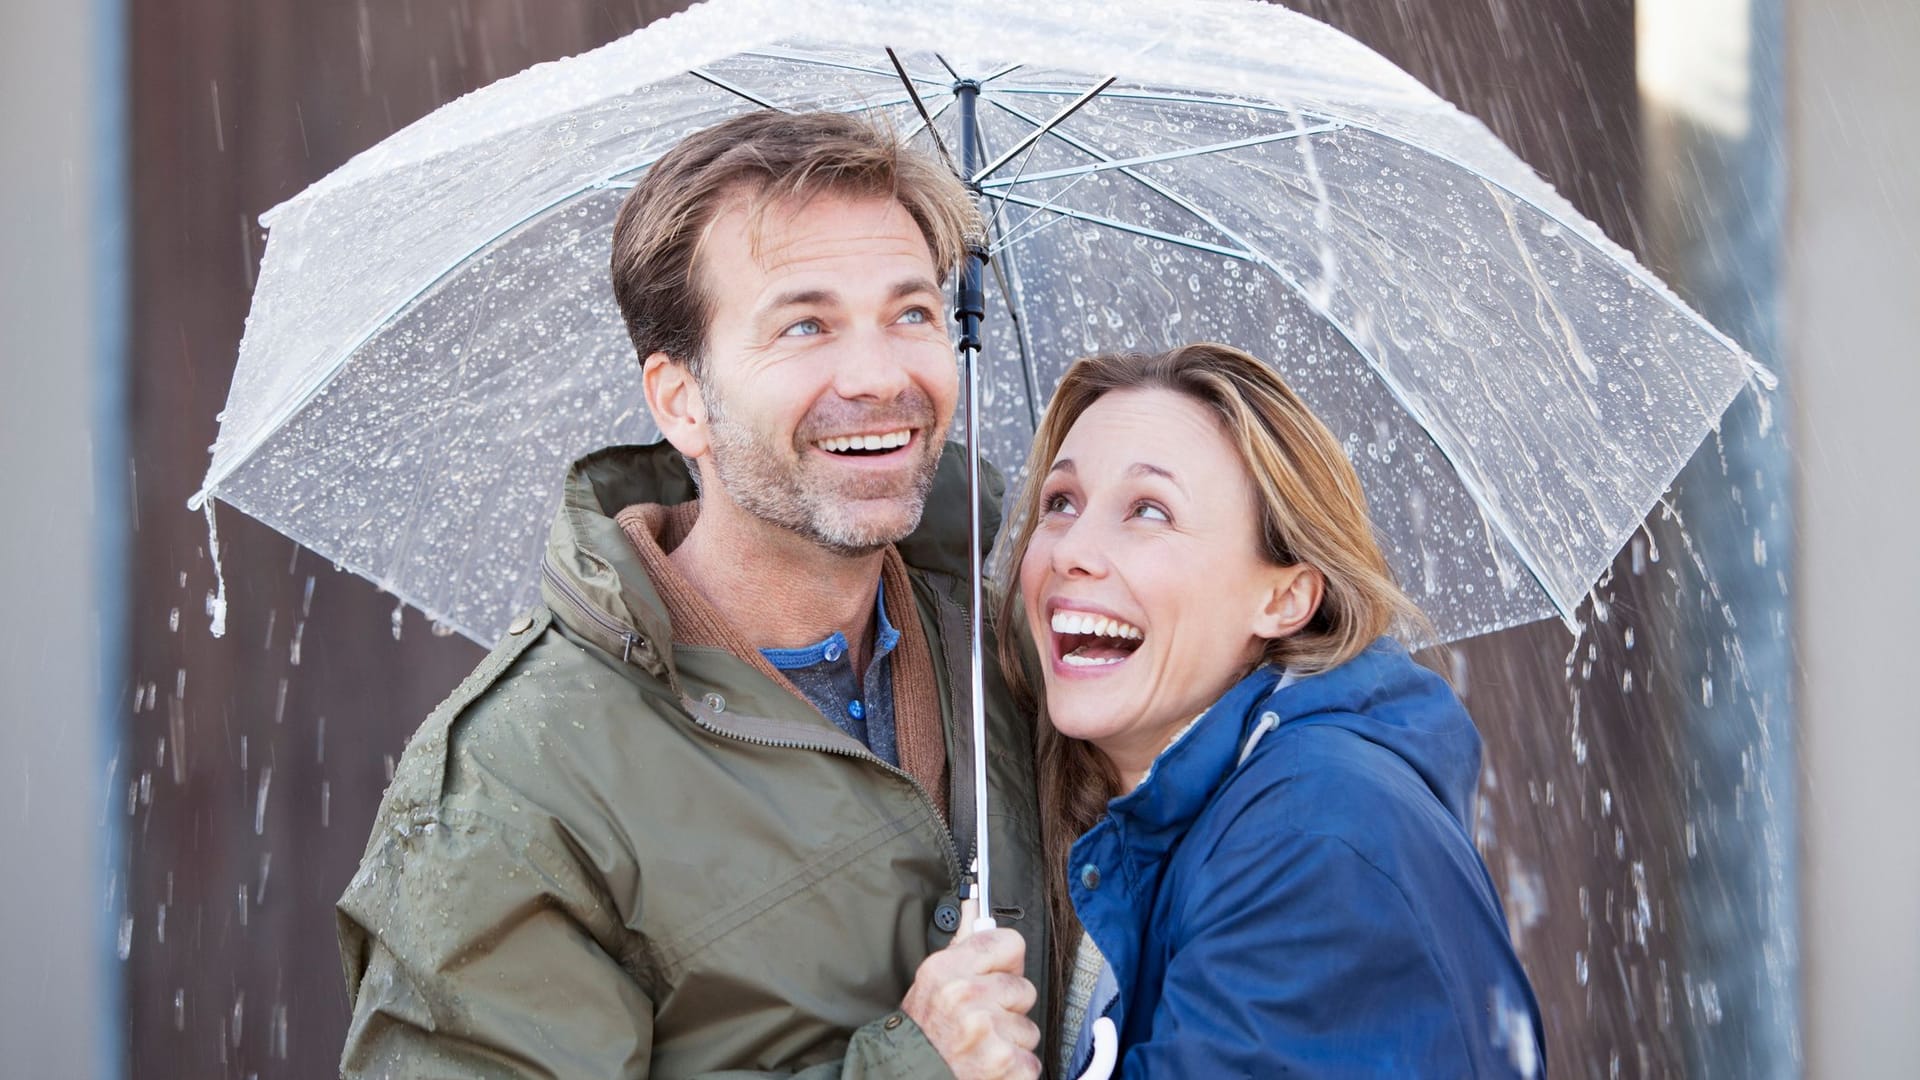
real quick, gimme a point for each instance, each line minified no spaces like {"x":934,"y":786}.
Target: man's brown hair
{"x":769,"y":159}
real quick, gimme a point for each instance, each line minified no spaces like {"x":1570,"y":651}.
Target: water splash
{"x":216,"y":600}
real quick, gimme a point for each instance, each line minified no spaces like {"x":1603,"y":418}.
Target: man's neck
{"x":776,"y":588}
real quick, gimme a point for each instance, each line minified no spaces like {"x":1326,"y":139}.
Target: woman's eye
{"x":803,"y":328}
{"x":1151,"y":512}
{"x":1056,"y":503}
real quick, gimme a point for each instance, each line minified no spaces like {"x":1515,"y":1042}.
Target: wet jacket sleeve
{"x":474,"y":950}
{"x":1297,"y":957}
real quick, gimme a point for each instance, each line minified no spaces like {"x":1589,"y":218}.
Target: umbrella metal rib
{"x":1122,"y":226}
{"x":777,"y":53}
{"x":730,"y":88}
{"x":920,"y":106}
{"x":925,"y":123}
{"x":1170,"y":155}
{"x":1067,"y":110}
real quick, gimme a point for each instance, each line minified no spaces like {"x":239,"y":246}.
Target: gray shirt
{"x":863,"y":708}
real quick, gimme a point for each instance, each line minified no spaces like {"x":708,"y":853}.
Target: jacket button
{"x":520,"y":625}
{"x":892,"y":1022}
{"x":714,"y":702}
{"x":1090,"y":876}
{"x":947,"y":918}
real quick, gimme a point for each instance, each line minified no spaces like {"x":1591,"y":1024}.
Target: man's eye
{"x":803,"y":328}
{"x":916,"y":316}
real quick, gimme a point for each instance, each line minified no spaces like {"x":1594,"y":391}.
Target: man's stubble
{"x":773,"y":484}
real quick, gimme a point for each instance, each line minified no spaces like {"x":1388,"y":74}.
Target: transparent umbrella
{"x":433,"y":337}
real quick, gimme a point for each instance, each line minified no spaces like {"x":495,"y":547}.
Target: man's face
{"x":829,"y":378}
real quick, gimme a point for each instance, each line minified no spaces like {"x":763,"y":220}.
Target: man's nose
{"x":870,"y":367}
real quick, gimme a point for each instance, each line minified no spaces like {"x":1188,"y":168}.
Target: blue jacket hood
{"x":1381,"y":695}
{"x":1390,"y":701}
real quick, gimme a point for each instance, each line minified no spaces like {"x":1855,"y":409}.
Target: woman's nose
{"x":1078,"y":550}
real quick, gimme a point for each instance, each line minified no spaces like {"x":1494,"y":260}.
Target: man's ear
{"x":1293,"y":596}
{"x":673,"y":395}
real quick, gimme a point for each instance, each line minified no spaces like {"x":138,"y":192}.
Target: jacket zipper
{"x":606,"y":622}
{"x":956,"y":871}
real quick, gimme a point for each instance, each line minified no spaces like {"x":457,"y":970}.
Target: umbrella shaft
{"x":969,"y":308}
{"x":976,"y":609}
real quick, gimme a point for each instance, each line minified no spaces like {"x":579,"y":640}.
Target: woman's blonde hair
{"x":1311,"y":510}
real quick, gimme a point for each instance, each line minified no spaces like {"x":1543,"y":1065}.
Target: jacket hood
{"x":1380,"y":695}
{"x":603,"y":591}
{"x":1387,"y":699}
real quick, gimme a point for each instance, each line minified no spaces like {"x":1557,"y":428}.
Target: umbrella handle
{"x":1106,"y":1050}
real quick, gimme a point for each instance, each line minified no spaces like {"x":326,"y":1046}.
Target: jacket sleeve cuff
{"x":893,"y":1048}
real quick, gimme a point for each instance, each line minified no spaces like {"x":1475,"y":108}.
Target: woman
{"x":1254,"y":803}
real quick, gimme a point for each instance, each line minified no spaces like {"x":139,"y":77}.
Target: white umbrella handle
{"x":1106,"y":1050}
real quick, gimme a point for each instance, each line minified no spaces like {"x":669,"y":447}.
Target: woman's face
{"x":1144,"y":589}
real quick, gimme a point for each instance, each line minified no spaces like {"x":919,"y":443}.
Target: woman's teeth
{"x":1074,"y":622}
{"x":841,"y":444}
{"x":1104,"y":641}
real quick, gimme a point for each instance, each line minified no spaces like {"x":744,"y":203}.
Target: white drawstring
{"x":1268,"y":721}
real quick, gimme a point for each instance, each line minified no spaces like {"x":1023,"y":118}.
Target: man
{"x":709,"y":808}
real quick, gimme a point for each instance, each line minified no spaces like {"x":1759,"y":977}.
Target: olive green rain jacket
{"x":606,"y":855}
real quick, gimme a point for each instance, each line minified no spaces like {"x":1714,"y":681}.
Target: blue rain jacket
{"x":1318,"y":909}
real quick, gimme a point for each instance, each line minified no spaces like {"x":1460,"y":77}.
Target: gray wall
{"x":1853,"y":320}
{"x":59,"y":995}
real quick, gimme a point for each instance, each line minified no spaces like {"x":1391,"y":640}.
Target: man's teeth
{"x":840,"y":444}
{"x":1075,"y":622}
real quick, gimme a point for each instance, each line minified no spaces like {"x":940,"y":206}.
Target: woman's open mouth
{"x":1083,"y":639}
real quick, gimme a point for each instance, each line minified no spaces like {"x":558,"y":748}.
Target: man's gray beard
{"x":768,"y":482}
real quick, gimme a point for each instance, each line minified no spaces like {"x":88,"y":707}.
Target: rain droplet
{"x":260,"y":802}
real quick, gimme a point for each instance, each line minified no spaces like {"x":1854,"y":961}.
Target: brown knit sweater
{"x":655,"y":530}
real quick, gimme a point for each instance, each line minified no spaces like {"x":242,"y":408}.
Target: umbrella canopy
{"x":433,"y":336}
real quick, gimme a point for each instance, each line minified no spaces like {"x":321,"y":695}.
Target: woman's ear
{"x":679,"y":409}
{"x":1293,"y":597}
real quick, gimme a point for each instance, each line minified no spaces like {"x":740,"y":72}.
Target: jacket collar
{"x":1184,"y":778}
{"x":596,"y":584}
